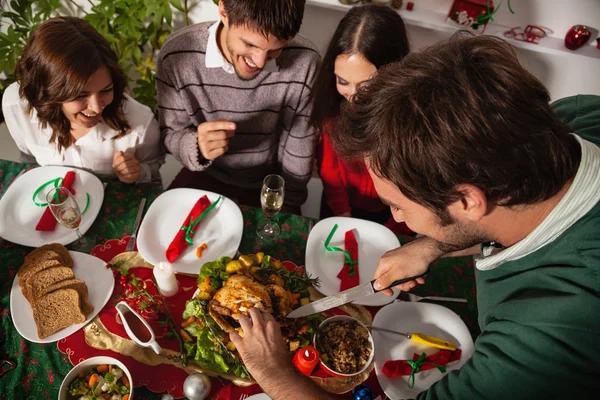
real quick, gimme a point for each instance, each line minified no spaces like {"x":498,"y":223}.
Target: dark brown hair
{"x":58,"y":60}
{"x":463,"y":111}
{"x":280,"y":18}
{"x":374,"y":31}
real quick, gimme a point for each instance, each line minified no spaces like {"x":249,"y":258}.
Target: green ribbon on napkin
{"x":189,"y":229}
{"x":331,"y":248}
{"x":57,"y":182}
{"x":416,"y":367}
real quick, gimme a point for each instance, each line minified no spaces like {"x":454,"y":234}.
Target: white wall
{"x":563,"y":75}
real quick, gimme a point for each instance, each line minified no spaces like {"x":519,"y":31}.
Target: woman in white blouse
{"x":69,"y":107}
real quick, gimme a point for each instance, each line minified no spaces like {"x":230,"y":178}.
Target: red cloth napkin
{"x":179,"y":244}
{"x":48,"y":222}
{"x":351,"y":245}
{"x":402,"y":368}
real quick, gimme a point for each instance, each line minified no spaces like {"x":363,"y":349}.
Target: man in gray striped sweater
{"x":234,"y":100}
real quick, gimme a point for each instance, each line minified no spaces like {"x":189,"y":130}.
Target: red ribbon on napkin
{"x":47,"y":221}
{"x":403,"y":368}
{"x":179,"y":243}
{"x":349,"y":276}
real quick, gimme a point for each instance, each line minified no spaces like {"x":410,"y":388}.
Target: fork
{"x":403,"y":296}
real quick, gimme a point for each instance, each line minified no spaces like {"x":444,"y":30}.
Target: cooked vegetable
{"x":185,"y":336}
{"x":188,"y":321}
{"x":201,"y":249}
{"x":246,"y":261}
{"x":93,"y":380}
{"x":102,"y":368}
{"x":233,"y":266}
{"x":102,"y":382}
{"x":294,"y":344}
{"x":259,"y":257}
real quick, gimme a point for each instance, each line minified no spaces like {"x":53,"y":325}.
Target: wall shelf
{"x":437,"y":21}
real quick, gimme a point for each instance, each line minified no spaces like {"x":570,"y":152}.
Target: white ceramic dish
{"x":100,"y":282}
{"x":260,"y":396}
{"x":429,"y":319}
{"x":373,"y":241}
{"x":221,"y":229}
{"x":19,"y":215}
{"x":84,"y":367}
{"x":342,"y":318}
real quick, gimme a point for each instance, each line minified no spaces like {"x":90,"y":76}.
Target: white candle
{"x":165,"y":278}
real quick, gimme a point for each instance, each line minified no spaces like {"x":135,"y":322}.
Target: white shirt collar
{"x":581,"y":197}
{"x":215,"y":59}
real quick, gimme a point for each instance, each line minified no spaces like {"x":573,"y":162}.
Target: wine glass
{"x":271,"y":201}
{"x":65,"y":209}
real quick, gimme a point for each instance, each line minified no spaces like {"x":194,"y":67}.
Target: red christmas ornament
{"x":577,"y":37}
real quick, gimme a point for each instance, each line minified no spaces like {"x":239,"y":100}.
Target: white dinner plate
{"x":221,"y":229}
{"x":425,"y":318}
{"x":100,"y":283}
{"x":19,"y":215}
{"x":373,"y":241}
{"x":260,"y":396}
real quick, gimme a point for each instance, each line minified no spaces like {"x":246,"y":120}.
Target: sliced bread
{"x":34,"y":268}
{"x":79,"y":286}
{"x":35,"y":286}
{"x":61,"y":250}
{"x":57,"y":310}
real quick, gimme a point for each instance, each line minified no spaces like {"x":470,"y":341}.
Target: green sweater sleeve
{"x":515,"y":361}
{"x":582,"y":114}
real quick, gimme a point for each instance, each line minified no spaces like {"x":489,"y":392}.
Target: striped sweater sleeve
{"x":176,"y":127}
{"x":299,"y":143}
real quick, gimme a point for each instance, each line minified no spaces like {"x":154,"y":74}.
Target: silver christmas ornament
{"x":167,"y":397}
{"x":196,"y":387}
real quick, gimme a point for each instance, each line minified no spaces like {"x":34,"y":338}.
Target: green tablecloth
{"x":41,"y":368}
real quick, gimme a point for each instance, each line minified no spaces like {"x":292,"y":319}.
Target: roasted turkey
{"x":239,"y":294}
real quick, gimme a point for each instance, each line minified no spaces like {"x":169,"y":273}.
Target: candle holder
{"x":306,"y":359}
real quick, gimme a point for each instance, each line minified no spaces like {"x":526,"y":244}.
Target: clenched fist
{"x":126,"y":167}
{"x":213,"y":138}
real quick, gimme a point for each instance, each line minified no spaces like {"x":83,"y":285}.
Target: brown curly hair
{"x":463,"y":111}
{"x":58,"y":60}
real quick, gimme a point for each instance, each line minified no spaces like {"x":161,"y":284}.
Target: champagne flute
{"x":271,"y":201}
{"x":65,"y":209}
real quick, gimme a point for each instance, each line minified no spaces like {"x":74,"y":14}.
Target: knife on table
{"x":136,"y":225}
{"x":420,"y":338}
{"x":346,"y":296}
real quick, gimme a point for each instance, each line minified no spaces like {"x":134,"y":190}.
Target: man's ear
{"x":472,"y":206}
{"x":223,"y":14}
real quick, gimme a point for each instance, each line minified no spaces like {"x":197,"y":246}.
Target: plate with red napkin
{"x":365,"y":243}
{"x":164,"y":232}
{"x":25,"y":223}
{"x":392,"y":351}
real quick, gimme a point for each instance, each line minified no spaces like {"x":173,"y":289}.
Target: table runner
{"x":41,"y":368}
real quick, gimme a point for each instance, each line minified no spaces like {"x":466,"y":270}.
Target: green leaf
{"x":168,"y":15}
{"x":158,"y":16}
{"x":137,"y":54}
{"x":177,"y":5}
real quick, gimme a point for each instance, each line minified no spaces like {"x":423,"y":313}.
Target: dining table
{"x":35,"y":371}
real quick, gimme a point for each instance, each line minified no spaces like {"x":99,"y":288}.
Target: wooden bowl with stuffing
{"x":345,"y":346}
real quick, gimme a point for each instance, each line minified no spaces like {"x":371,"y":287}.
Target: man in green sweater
{"x":463,"y":145}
